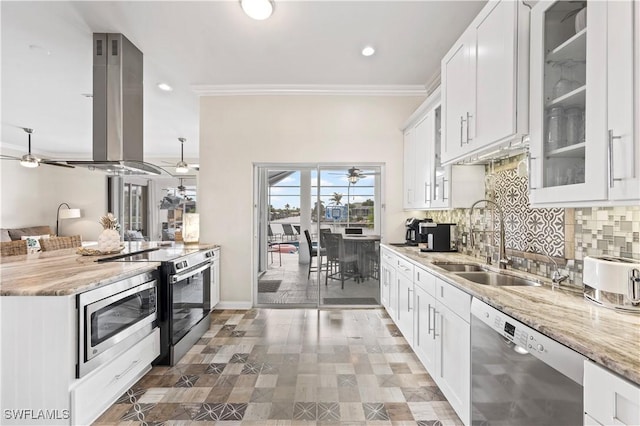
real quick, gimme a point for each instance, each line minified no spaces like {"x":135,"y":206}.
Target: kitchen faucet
{"x":556,"y":277}
{"x":503,"y":260}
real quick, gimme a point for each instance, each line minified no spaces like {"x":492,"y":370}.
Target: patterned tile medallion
{"x":336,"y":367}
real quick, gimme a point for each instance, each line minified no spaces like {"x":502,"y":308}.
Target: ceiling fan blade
{"x":8,"y":157}
{"x":57,"y":163}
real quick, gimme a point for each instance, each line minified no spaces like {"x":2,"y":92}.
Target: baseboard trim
{"x":233,"y":305}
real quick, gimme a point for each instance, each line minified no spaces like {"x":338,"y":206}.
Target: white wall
{"x":236,"y":131}
{"x":32,"y":196}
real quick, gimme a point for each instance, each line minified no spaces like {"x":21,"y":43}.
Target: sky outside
{"x":287,"y":191}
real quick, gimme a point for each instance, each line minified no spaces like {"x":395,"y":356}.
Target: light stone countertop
{"x":609,"y":338}
{"x":63,"y":272}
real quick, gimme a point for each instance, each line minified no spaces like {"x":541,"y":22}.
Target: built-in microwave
{"x":113,"y":318}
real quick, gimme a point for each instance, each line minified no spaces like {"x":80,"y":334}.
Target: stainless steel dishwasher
{"x":519,"y":376}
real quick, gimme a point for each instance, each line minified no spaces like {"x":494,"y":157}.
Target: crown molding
{"x":309,"y":89}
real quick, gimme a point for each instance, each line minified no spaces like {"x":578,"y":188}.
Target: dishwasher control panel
{"x":528,"y":340}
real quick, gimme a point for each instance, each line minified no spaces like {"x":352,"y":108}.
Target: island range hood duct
{"x":117,"y":108}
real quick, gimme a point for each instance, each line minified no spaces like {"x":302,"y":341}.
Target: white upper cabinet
{"x":408,"y":167}
{"x":485,"y":83}
{"x":424,"y":135}
{"x":583,"y":149}
{"x":419,"y":138}
{"x":428,"y":183}
{"x":457,"y":102}
{"x":623,"y":58}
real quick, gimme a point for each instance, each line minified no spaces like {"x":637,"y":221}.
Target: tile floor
{"x":297,"y":289}
{"x":288,"y":367}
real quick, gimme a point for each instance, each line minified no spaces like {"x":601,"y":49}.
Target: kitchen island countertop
{"x":609,"y":338}
{"x":64,"y":272}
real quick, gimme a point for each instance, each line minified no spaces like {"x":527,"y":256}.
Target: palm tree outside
{"x":336,"y":199}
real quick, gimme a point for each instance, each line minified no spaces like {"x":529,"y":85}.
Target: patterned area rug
{"x":269,"y":286}
{"x":350,"y":301}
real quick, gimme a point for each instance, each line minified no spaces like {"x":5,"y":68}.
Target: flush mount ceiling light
{"x":368,"y":51}
{"x":165,"y":87}
{"x":182,"y":167}
{"x":257,"y":9}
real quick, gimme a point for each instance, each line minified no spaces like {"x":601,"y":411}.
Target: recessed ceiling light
{"x":257,"y":9}
{"x":368,"y":51}
{"x":165,"y":87}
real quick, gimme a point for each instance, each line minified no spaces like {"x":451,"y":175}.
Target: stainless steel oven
{"x":186,"y":304}
{"x":184,"y":294}
{"x":113,"y":318}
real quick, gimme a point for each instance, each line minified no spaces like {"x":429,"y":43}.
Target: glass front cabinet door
{"x":582,"y":136}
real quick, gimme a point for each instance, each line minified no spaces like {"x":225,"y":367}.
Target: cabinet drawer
{"x":387,"y":256}
{"x":424,"y":280}
{"x":94,"y":393}
{"x":608,"y":398}
{"x":455,"y":299}
{"x":405,"y":268}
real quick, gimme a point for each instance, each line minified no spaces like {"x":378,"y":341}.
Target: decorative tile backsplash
{"x":568,"y":235}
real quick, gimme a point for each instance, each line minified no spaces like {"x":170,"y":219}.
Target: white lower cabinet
{"x":608,"y":398}
{"x":424,"y":342}
{"x":38,"y":364}
{"x":389,"y":296}
{"x":405,"y":306}
{"x":453,"y":360}
{"x":434,"y":318}
{"x":404,"y":280}
{"x":94,"y":394}
{"x":385,"y":285}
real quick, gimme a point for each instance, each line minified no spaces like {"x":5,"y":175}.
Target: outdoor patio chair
{"x":276,"y":231}
{"x":314,"y":252}
{"x":275,"y":248}
{"x":288,"y":231}
{"x":340,"y":264}
{"x":323,"y":232}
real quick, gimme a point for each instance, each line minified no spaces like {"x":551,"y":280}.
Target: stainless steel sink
{"x":496,"y":279}
{"x":458,"y":267}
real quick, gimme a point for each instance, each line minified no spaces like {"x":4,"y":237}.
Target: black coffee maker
{"x":413,"y":231}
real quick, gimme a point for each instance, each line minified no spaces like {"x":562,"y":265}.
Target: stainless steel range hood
{"x":117,"y":108}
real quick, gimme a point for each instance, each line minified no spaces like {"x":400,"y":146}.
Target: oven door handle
{"x":179,"y":277}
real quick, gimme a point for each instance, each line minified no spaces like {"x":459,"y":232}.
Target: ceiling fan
{"x":182,"y":167}
{"x":354,"y":174}
{"x":169,"y":165}
{"x":31,"y":161}
{"x":179,"y":191}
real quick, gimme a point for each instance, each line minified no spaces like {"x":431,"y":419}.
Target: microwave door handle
{"x":179,"y":277}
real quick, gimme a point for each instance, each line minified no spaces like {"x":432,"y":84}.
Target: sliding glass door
{"x":296,"y":207}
